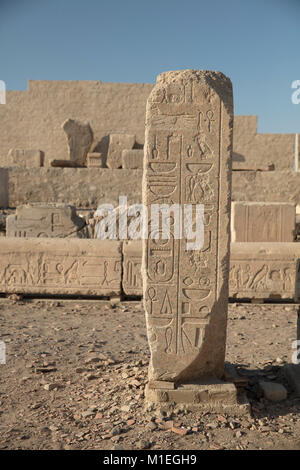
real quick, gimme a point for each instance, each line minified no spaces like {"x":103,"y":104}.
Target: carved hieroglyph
{"x":59,"y":266}
{"x":189,"y":122}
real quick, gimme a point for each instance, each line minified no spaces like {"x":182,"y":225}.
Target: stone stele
{"x":189,"y":120}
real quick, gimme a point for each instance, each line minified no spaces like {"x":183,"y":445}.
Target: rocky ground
{"x":76,"y":370}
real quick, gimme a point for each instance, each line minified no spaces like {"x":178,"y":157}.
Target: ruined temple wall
{"x":32,"y":119}
{"x":87,"y":187}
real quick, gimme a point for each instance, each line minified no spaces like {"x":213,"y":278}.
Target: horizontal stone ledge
{"x":80,"y":187}
{"x":89,"y":187}
{"x":109,"y":268}
{"x":257,"y":270}
{"x":60,"y":266}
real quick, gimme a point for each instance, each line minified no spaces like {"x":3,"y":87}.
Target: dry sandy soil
{"x":76,"y":370}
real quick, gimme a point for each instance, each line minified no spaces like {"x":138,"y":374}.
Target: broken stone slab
{"x":60,"y":267}
{"x":80,"y":138}
{"x":118,"y":143}
{"x":132,"y":263}
{"x":28,"y":158}
{"x":273,"y":391}
{"x":95,"y":160}
{"x":133,"y":159}
{"x":44,"y":220}
{"x":263,"y":222}
{"x":188,"y":143}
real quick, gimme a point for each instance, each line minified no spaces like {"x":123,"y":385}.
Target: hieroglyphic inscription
{"x":60,"y":267}
{"x":188,"y":141}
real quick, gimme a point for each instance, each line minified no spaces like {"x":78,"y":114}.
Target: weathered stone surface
{"x":58,"y":266}
{"x":263,"y":222}
{"x":273,"y":391}
{"x":106,"y":106}
{"x":80,"y":138}
{"x":257,"y":270}
{"x":132,"y":263}
{"x":44,"y":220}
{"x":263,"y":270}
{"x":118,"y":143}
{"x":95,"y":160}
{"x":110,"y":107}
{"x":90,"y":188}
{"x":81,"y":187}
{"x":188,"y":161}
{"x":210,"y":396}
{"x":27,"y":158}
{"x":133,"y":159}
{"x":266,"y":186}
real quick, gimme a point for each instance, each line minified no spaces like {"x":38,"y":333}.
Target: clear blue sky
{"x":255,"y":42}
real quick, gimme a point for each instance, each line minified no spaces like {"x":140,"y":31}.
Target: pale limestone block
{"x":60,"y":267}
{"x":80,"y":138}
{"x":188,"y":146}
{"x":28,"y":158}
{"x":263,"y":222}
{"x":118,"y":143}
{"x":132,"y":159}
{"x":44,"y":220}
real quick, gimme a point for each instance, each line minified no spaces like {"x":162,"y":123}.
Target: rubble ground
{"x":75,"y":373}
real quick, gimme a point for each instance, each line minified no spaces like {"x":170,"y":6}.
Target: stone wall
{"x":109,"y":268}
{"x":33,"y":119}
{"x":88,"y":187}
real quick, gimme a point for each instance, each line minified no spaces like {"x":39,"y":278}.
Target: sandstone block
{"x":263,"y":270}
{"x":257,"y":270}
{"x":132,"y":159}
{"x":188,"y":145}
{"x":263,"y":222}
{"x":118,"y":143}
{"x":80,"y":138}
{"x":132,"y":263}
{"x":44,"y":220}
{"x":81,"y":187}
{"x":95,"y":160}
{"x":58,"y":266}
{"x":26,"y":158}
